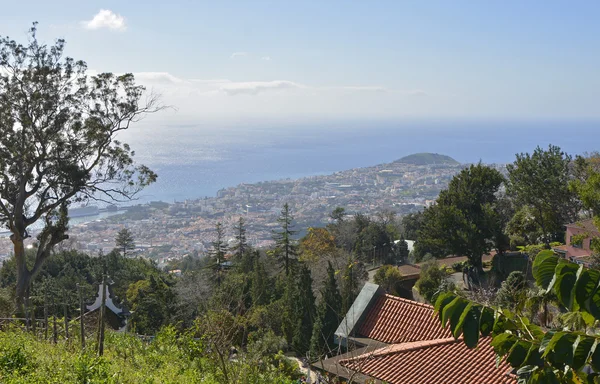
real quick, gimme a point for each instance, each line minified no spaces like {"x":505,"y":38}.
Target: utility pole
{"x":81,"y":310}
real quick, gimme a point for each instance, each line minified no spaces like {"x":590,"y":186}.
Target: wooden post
{"x":102,"y":320}
{"x":27,"y":313}
{"x":55,"y":330}
{"x":81,"y":313}
{"x":46,"y":315}
{"x":66,"y":312}
{"x":33,"y":322}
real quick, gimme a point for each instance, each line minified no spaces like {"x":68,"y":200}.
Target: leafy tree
{"x":328,"y":316}
{"x":513,"y":292}
{"x":125,"y":241}
{"x":150,"y":302}
{"x":241,"y":245}
{"x":57,"y":138}
{"x":389,"y":278}
{"x":432,"y":281}
{"x":401,"y":250}
{"x":318,"y":243}
{"x":286,"y":249}
{"x":537,"y":354}
{"x":411,"y":224}
{"x":353,"y":274}
{"x":541,"y":182}
{"x":464,"y":221}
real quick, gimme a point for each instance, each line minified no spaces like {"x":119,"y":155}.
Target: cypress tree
{"x":305,"y":313}
{"x":329,"y":315}
{"x":259,"y":284}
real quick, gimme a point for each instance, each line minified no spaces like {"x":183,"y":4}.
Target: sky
{"x":219,"y":61}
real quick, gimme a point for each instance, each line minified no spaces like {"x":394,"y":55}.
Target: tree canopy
{"x":463,"y":221}
{"x":58,"y":144}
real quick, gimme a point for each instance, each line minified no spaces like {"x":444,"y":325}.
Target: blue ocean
{"x":194,"y":161}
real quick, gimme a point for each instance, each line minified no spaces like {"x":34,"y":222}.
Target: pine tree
{"x":329,"y":315}
{"x":218,"y":251}
{"x":124,"y":241}
{"x":285,"y":246}
{"x":241,"y":245}
{"x":305,"y":312}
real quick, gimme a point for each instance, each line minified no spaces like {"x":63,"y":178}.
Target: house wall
{"x":572,"y":231}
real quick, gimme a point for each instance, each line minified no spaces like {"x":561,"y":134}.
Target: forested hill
{"x":427,"y":159}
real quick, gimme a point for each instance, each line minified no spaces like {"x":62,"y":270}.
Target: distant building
{"x":578,"y":251}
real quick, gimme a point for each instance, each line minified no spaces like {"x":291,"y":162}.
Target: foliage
{"x":124,"y":241}
{"x":169,"y":358}
{"x":539,"y":355}
{"x":286,"y":248}
{"x":151,"y":304}
{"x":241,"y":245}
{"x":317,"y":243}
{"x":432,"y":281}
{"x":304,"y":313}
{"x":540,"y":182}
{"x":328,"y":316}
{"x":388,"y":277}
{"x":58,"y":131}
{"x":513,"y":291}
{"x":464,"y":220}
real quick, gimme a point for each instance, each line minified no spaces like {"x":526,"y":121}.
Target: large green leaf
{"x":585,"y":286}
{"x":595,"y":360}
{"x":503,"y":342}
{"x":453,"y":311}
{"x":582,"y":349}
{"x":546,"y":340}
{"x":518,"y":353}
{"x":534,"y":357}
{"x":543,"y":268}
{"x":561,"y":345}
{"x":566,"y":277}
{"x":441,"y":302}
{"x":470,"y":326}
{"x":486,"y":321}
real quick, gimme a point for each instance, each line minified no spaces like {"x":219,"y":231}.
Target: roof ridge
{"x":404,"y":347}
{"x":407,"y":301}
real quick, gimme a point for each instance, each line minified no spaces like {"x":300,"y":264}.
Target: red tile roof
{"x":396,"y":320}
{"x":441,"y":361}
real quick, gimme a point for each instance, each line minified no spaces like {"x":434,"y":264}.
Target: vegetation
{"x":427,"y":159}
{"x":171,"y":357}
{"x":389,"y":277}
{"x":464,"y":220}
{"x":57,"y":133}
{"x":433,"y":281}
{"x":124,"y":241}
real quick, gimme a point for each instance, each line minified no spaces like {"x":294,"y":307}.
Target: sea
{"x":196,"y":160}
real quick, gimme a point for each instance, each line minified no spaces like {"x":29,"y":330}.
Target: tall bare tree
{"x":58,"y":144}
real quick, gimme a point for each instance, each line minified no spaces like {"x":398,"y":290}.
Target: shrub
{"x":433,"y":281}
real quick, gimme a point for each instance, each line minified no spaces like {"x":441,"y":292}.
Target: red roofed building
{"x":578,"y":251}
{"x":399,"y":341}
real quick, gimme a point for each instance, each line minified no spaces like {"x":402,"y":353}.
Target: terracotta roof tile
{"x":396,"y":320}
{"x":442,"y":361}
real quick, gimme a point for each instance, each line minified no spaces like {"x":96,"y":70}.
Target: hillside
{"x":427,"y":159}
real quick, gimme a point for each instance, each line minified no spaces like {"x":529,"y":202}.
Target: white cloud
{"x":256,"y":87}
{"x":238,"y":54}
{"x":266,"y":58}
{"x":157,"y":77}
{"x":106,"y":19}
